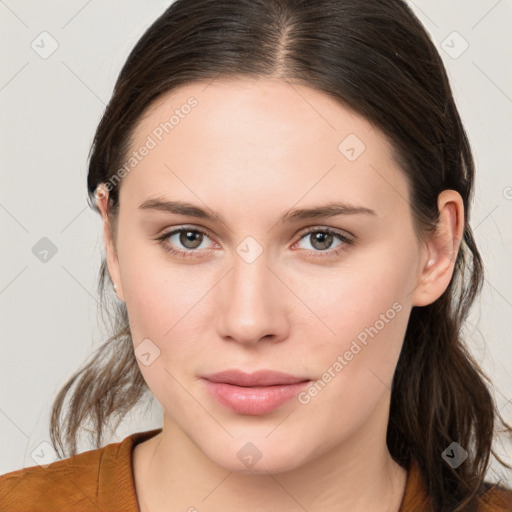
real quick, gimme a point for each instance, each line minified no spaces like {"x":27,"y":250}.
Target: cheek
{"x":170,"y":315}
{"x":158,"y":294}
{"x":165,"y":308}
{"x":352,"y":299}
{"x":355,"y":365}
{"x":364,"y":314}
{"x":166,"y":304}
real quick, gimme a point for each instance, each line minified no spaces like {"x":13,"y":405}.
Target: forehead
{"x":252,"y":138}
{"x":259,"y":106}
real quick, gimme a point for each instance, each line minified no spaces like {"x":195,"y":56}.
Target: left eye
{"x":322,"y":239}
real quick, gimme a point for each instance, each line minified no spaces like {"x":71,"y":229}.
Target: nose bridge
{"x":249,"y":311}
{"x":250,"y":283}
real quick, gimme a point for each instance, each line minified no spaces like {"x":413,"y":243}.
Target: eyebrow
{"x":295,"y":215}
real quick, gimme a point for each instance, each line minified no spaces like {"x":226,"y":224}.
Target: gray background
{"x":49,"y":110}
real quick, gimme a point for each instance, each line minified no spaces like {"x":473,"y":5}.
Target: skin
{"x":251,"y":151}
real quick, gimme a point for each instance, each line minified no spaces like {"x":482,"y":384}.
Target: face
{"x":325,"y":298}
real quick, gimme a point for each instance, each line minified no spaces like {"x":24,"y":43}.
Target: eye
{"x":188,"y":237}
{"x":322,"y":238}
{"x":191,"y":239}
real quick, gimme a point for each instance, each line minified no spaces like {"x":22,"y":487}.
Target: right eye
{"x":188,"y":237}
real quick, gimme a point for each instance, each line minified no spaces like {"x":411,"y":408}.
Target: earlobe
{"x":440,"y":251}
{"x":108,"y":238}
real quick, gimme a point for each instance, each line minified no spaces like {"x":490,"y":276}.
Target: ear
{"x":102,"y":197}
{"x":440,"y":251}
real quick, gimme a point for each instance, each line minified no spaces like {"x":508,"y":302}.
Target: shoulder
{"x":99,"y":479}
{"x":492,"y":497}
{"x":66,"y":482}
{"x":495,"y":498}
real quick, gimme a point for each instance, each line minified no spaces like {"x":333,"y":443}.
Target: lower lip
{"x":253,"y":400}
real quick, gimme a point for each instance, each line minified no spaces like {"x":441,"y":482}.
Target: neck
{"x":357,"y":475}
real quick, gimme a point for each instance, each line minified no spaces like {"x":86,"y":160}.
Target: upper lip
{"x":259,"y":378}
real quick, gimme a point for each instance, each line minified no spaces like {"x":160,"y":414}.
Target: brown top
{"x":101,"y":480}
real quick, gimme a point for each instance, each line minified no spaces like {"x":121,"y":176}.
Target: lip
{"x":254,"y":394}
{"x":259,"y":378}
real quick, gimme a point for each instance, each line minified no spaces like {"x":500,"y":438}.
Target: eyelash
{"x":192,"y":253}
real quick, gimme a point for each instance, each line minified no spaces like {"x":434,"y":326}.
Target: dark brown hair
{"x":375,"y":57}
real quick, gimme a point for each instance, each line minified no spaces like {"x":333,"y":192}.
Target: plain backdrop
{"x":50,"y":107}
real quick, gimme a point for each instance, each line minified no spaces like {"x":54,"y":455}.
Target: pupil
{"x":191,"y":236}
{"x":324,"y":239}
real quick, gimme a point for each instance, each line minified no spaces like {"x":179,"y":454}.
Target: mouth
{"x":259,"y":378}
{"x":253,"y":394}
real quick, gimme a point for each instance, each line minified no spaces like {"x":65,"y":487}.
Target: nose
{"x":251,"y":305}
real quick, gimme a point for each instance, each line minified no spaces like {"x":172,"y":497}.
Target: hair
{"x":376,"y":58}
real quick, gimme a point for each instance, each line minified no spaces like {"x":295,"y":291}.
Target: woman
{"x":285,"y":188}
